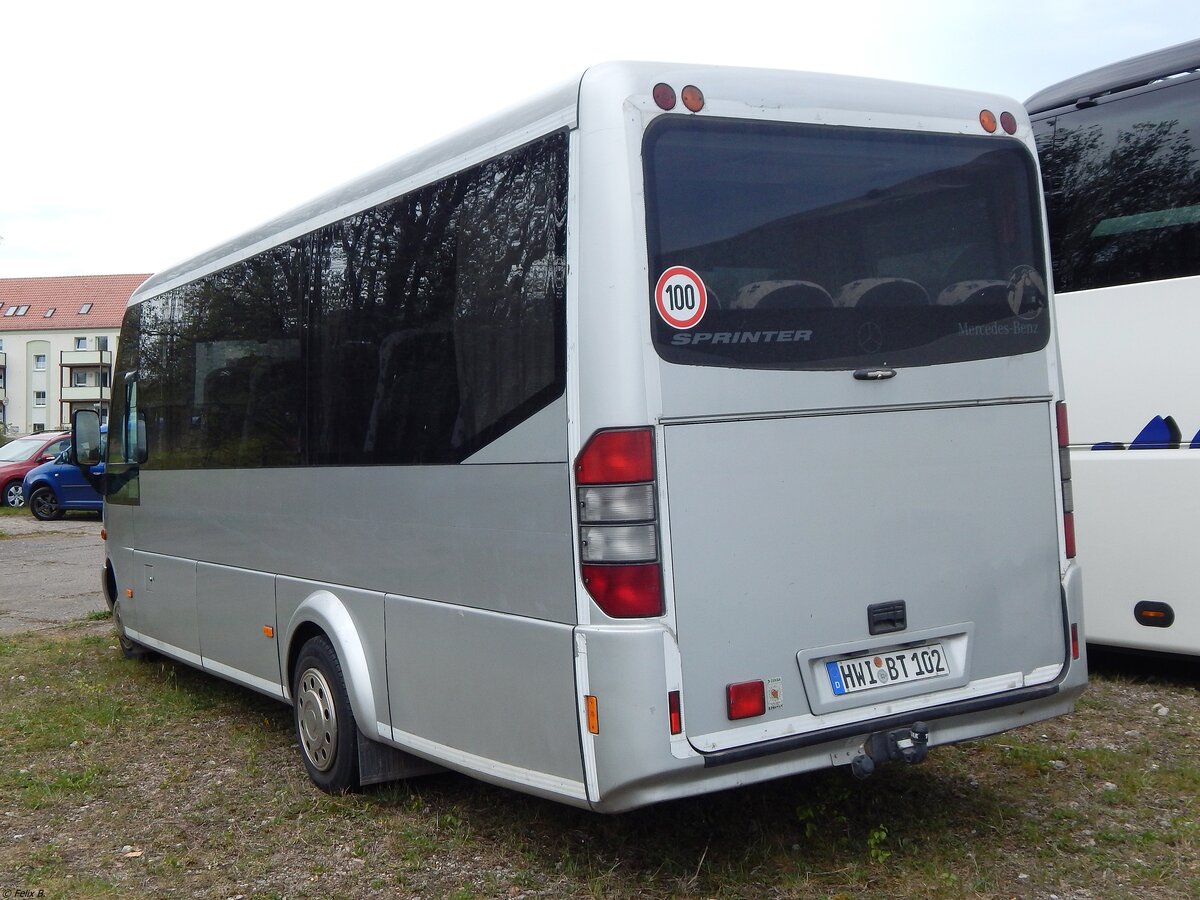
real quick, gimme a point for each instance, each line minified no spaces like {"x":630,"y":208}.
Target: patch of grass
{"x":150,"y":778}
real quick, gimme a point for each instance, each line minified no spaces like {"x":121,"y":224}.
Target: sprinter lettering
{"x":741,"y":337}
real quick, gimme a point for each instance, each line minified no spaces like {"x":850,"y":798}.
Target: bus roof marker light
{"x":987,"y":119}
{"x":693,"y":98}
{"x":664,"y":96}
{"x":1008,"y":122}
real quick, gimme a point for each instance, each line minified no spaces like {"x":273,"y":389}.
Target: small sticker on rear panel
{"x":681,"y":297}
{"x":774,"y":693}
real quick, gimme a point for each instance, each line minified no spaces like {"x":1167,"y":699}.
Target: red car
{"x":19,"y":456}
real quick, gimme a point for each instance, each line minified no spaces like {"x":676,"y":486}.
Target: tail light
{"x":618,"y":522}
{"x":1064,"y":463}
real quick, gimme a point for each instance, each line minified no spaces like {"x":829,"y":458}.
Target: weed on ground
{"x":127,"y":778}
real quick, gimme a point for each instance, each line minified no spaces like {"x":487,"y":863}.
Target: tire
{"x":129,"y":648}
{"x":44,"y":504}
{"x":325,"y":726}
{"x":13,"y":495}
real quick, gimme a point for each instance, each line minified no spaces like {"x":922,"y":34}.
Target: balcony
{"x":85,"y":393}
{"x":73,"y":359}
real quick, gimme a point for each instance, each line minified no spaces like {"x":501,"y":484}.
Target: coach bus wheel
{"x":325,"y":725}
{"x":129,"y":649}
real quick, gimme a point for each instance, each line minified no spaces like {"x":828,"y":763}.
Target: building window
{"x":102,"y":342}
{"x":1,"y":345}
{"x":80,"y":343}
{"x":39,"y":398}
{"x":85,"y":309}
{"x":11,"y":311}
{"x":39,"y":362}
{"x":22,"y":309}
{"x":48,"y":313}
{"x":79,"y":379}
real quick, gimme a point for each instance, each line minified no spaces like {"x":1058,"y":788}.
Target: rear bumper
{"x":635,"y":763}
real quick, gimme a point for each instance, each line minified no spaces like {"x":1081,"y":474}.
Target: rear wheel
{"x":129,"y":649}
{"x":13,"y":495}
{"x":44,"y":504}
{"x":325,"y":725}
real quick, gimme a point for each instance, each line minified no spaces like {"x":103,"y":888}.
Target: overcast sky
{"x":136,"y":134}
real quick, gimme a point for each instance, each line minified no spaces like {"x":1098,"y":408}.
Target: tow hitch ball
{"x":910,"y":745}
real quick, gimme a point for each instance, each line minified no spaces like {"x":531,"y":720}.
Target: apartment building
{"x":58,"y":340}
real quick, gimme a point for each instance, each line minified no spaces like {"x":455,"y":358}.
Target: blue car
{"x":57,"y":486}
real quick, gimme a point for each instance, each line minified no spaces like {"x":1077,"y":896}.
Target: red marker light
{"x":664,"y":96}
{"x":1008,"y":122}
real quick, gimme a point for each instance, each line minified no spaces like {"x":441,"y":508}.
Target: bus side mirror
{"x":85,"y":438}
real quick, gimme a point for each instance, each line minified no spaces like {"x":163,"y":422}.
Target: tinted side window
{"x":411,"y":333}
{"x":438,"y":318}
{"x":1123,"y":188}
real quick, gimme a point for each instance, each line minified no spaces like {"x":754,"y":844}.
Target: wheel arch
{"x":323,"y":613}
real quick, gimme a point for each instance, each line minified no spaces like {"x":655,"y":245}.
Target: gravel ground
{"x":49,"y":571}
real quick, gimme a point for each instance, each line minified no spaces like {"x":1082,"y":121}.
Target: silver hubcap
{"x":318,"y":719}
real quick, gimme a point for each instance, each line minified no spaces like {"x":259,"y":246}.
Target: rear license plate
{"x":876,"y":670}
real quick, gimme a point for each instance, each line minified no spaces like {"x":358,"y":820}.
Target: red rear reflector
{"x":625,"y":592}
{"x":1060,"y":413}
{"x":675,"y":712}
{"x":746,"y":699}
{"x":1069,"y":533}
{"x":1074,"y":641}
{"x":617,"y":457}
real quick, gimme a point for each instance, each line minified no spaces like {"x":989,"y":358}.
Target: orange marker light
{"x":269,"y":631}
{"x":129,"y":593}
{"x":987,"y":119}
{"x":693,"y":98}
{"x":104,"y":534}
{"x":593,"y":714}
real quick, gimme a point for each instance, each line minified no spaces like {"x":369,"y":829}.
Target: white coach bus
{"x":1120,"y":155}
{"x":685,"y":428}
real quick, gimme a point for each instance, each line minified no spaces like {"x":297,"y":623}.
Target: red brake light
{"x":617,"y":457}
{"x":625,"y":592}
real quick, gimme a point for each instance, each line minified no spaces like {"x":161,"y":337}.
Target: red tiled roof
{"x":66,"y":294}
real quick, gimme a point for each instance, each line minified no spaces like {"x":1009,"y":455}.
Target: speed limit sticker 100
{"x":681,"y":297}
